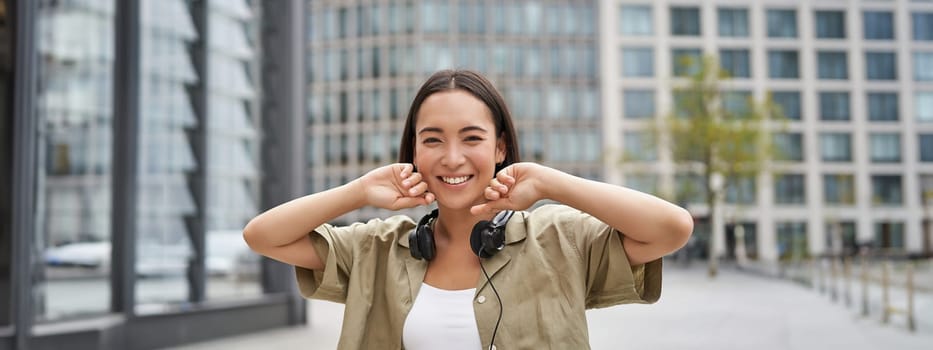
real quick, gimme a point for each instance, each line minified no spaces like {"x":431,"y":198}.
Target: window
{"x":685,"y":21}
{"x":839,"y":189}
{"x":788,"y":102}
{"x":690,"y":187}
{"x":880,"y":66}
{"x":923,"y":106}
{"x":471,"y":18}
{"x":885,"y":147}
{"x":637,"y":62}
{"x":830,"y":25}
{"x":639,"y":145}
{"x":789,"y":146}
{"x":832,"y":65}
{"x":882,"y":106}
{"x":736,"y":103}
{"x":836,"y":147}
{"x":841,"y":237}
{"x":926,"y":190}
{"x":789,"y":189}
{"x":922,"y":25}
{"x":878,"y":25}
{"x":889,"y":236}
{"x":735,"y":61}
{"x":782,"y":64}
{"x":740,"y":190}
{"x":635,"y":20}
{"x":686,"y":61}
{"x":886,"y":189}
{"x":923,"y":66}
{"x":834,"y":106}
{"x":647,"y":183}
{"x":733,"y":22}
{"x":74,"y":147}
{"x":925,"y":142}
{"x":791,"y":240}
{"x":638,"y":104}
{"x":782,"y":23}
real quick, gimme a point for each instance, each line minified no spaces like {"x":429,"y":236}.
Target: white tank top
{"x":441,"y":319}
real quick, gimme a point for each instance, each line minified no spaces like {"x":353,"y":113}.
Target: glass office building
{"x":366,"y":60}
{"x":131,"y":155}
{"x":853,"y":78}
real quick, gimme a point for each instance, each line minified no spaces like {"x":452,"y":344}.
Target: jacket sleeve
{"x":610,"y":279}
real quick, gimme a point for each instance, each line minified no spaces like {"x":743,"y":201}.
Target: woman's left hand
{"x":516,"y":187}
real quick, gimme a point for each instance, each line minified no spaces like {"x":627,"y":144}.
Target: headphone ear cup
{"x":476,"y":238}
{"x":426,"y":243}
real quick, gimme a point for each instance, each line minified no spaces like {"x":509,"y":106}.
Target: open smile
{"x":455,"y":180}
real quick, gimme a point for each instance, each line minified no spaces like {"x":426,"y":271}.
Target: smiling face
{"x":456,"y":147}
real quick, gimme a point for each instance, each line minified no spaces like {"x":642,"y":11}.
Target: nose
{"x":453,"y":157}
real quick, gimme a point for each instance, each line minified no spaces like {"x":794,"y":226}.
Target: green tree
{"x":717,"y":136}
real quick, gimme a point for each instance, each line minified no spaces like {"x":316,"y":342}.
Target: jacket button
{"x":481,"y":299}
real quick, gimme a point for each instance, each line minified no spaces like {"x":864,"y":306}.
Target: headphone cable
{"x":493,"y":341}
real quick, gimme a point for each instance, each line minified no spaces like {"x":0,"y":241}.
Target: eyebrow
{"x":465,"y":129}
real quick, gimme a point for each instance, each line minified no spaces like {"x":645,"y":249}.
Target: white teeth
{"x":454,"y":180}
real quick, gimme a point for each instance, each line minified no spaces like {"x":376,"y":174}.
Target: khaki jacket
{"x":558,"y":262}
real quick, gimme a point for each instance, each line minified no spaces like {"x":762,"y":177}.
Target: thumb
{"x":489,"y":207}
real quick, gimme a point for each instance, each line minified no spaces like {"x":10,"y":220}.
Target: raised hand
{"x":517,"y":187}
{"x":394,"y":187}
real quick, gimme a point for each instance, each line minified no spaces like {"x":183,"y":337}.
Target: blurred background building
{"x":132,"y":157}
{"x":141,"y":135}
{"x":854,"y":80}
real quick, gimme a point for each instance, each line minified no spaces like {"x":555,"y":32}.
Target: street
{"x":737,"y":310}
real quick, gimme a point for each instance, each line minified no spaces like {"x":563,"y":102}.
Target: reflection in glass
{"x":165,"y":161}
{"x":75,"y":44}
{"x":233,"y":149}
{"x":6,"y":155}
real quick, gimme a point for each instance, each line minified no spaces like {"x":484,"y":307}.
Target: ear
{"x":500,"y":150}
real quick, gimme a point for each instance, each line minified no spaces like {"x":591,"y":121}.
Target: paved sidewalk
{"x":735,"y":311}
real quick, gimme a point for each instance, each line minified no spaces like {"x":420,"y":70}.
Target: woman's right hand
{"x":394,"y":187}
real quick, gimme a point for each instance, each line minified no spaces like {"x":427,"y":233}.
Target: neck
{"x":456,"y":225}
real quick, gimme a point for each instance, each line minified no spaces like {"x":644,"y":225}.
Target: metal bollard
{"x":833,"y":280}
{"x":846,"y":280}
{"x":864,"y":279}
{"x":885,"y":303}
{"x":911,"y":322}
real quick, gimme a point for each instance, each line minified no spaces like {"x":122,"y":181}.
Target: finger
{"x":505,"y":179}
{"x":491,"y":194}
{"x":418,"y":189}
{"x":413,"y":179}
{"x":428,"y":198}
{"x":498,"y":186}
{"x":406,"y":170}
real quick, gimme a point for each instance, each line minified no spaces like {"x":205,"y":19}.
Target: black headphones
{"x":487,"y":238}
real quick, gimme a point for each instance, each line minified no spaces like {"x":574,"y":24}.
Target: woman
{"x":422,"y":285}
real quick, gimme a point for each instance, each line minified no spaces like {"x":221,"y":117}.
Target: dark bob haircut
{"x":478,"y":86}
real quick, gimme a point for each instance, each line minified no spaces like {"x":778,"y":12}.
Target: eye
{"x":431,"y":140}
{"x":473,"y":138}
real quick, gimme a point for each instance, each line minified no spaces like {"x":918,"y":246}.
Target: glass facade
{"x":543,"y":57}
{"x":878,"y":25}
{"x":836,"y":147}
{"x":783,"y":64}
{"x":882,"y":106}
{"x":118,"y":104}
{"x":75,"y":108}
{"x":839,"y":189}
{"x":782,"y":23}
